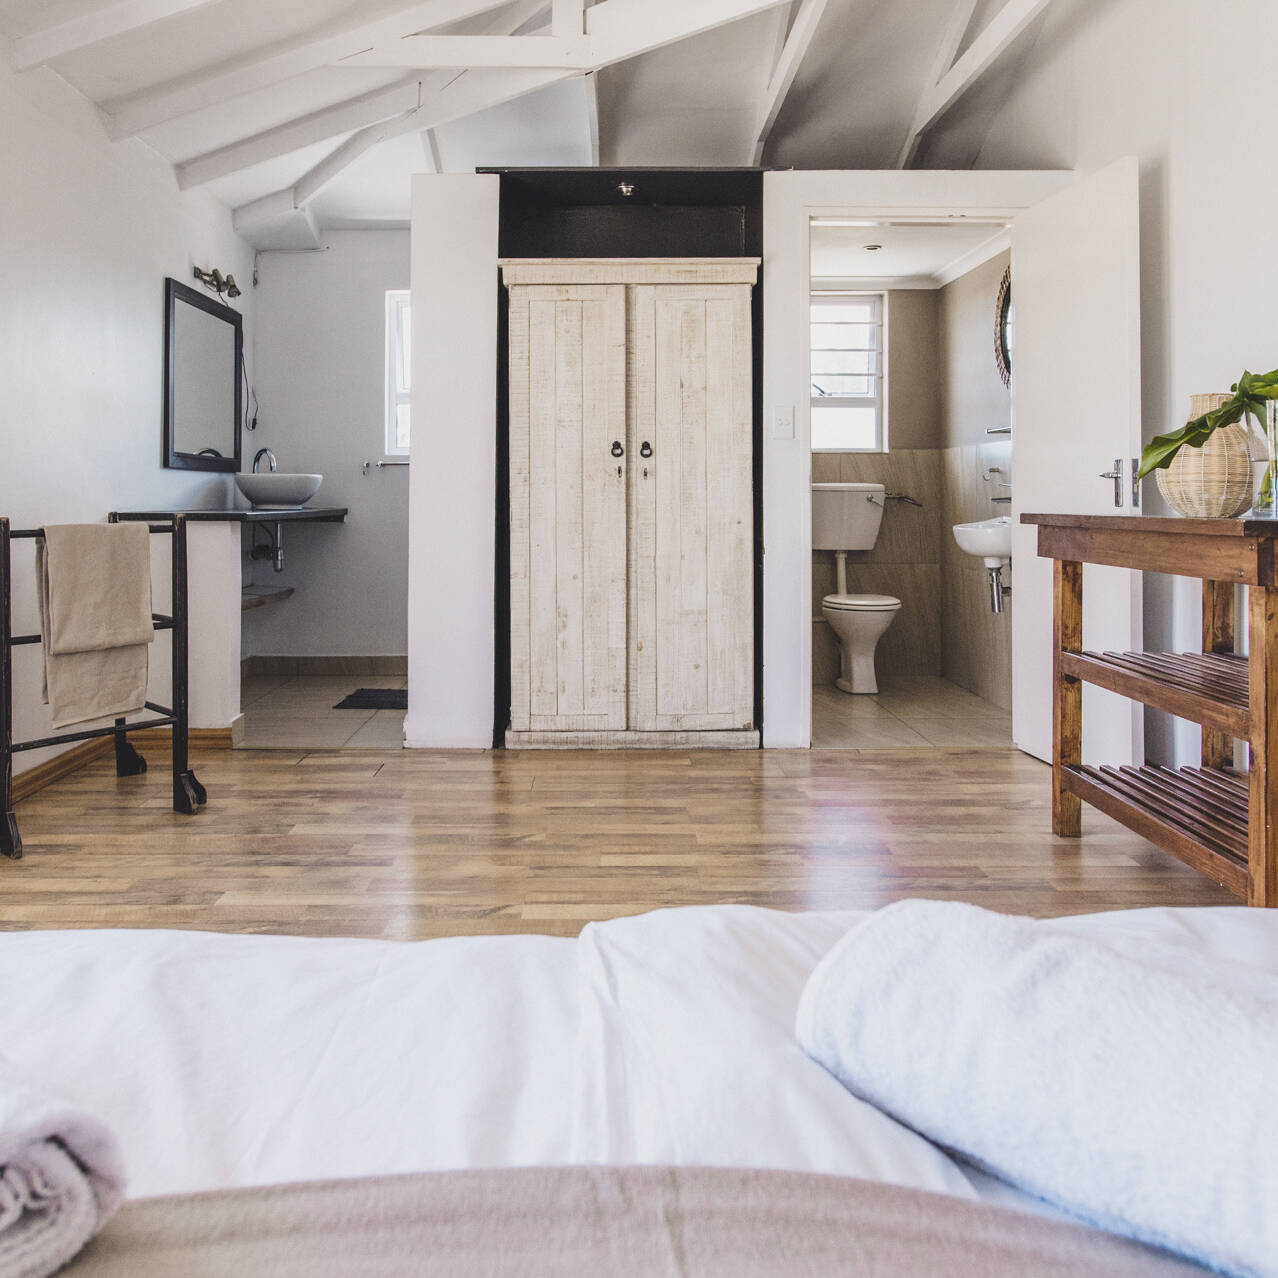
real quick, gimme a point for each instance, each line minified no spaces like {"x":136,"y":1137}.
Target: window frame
{"x":878,"y":401}
{"x":398,"y":370}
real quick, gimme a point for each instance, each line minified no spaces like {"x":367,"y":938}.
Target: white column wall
{"x":452,"y":481}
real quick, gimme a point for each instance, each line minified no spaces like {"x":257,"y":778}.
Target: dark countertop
{"x":300,"y":514}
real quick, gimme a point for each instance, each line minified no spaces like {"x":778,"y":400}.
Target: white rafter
{"x":477,"y":52}
{"x":592,"y":116}
{"x":90,"y":28}
{"x":787,"y":67}
{"x":568,"y":19}
{"x":947,"y":51}
{"x":999,"y":34}
{"x":430,"y":150}
{"x":307,"y":130}
{"x":615,"y":30}
{"x":342,"y":117}
{"x":140,"y":111}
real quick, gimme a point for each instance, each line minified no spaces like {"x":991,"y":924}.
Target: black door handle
{"x":617,"y":450}
{"x":645,"y":449}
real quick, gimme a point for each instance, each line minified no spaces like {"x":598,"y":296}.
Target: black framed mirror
{"x":1004,"y":328}
{"x":203,"y":380}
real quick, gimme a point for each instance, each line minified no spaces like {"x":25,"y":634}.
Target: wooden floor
{"x":412,"y":844}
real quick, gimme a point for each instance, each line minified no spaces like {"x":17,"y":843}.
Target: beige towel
{"x":94,"y":586}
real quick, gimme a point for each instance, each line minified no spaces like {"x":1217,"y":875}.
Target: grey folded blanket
{"x":94,"y":588}
{"x":599,"y":1222}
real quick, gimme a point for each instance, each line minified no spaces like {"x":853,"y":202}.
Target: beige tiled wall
{"x":976,"y":642}
{"x":905,"y":562}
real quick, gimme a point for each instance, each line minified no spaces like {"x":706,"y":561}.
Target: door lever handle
{"x":1117,"y":476}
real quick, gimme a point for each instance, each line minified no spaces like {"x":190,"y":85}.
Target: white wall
{"x":321,"y":367}
{"x":1148,"y":78}
{"x":453,"y":476}
{"x":89,"y":229}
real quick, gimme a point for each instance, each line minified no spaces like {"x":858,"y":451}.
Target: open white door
{"x":1075,"y":408}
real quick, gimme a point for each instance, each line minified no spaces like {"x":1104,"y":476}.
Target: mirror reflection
{"x":203,"y":353}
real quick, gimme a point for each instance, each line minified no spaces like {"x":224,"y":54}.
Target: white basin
{"x":270,"y":490}
{"x":989,"y":539}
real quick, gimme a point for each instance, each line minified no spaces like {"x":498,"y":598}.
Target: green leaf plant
{"x":1250,"y":397}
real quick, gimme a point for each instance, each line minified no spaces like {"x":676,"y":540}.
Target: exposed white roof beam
{"x":999,"y":35}
{"x":89,"y":28}
{"x":568,"y":19}
{"x":342,"y":117}
{"x":314,"y":180}
{"x":307,"y":130}
{"x":459,"y":52}
{"x":140,"y":111}
{"x":477,"y":90}
{"x":429,"y":139}
{"x":615,"y":30}
{"x":787,"y":67}
{"x":955,"y":30}
{"x":276,"y":222}
{"x":592,"y":116}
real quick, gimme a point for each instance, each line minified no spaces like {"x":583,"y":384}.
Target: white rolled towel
{"x":61,"y":1177}
{"x":1134,"y":1091}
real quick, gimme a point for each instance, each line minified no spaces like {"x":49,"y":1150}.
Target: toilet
{"x":847,"y":517}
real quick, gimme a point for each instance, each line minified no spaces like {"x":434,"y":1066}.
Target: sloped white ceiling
{"x":697,"y":101}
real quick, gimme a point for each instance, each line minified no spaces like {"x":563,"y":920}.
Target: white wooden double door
{"x":632,"y":579}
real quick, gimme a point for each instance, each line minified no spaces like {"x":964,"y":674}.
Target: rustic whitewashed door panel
{"x":691,"y":525}
{"x":568,"y":507}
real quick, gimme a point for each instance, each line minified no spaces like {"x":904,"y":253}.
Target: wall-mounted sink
{"x":271,"y":490}
{"x":988,"y":539}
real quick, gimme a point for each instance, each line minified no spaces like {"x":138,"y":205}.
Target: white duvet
{"x":225,"y":1061}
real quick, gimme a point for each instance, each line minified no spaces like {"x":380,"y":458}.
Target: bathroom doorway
{"x":912,"y":331}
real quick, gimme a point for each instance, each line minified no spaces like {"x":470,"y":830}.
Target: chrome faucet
{"x":257,"y":460}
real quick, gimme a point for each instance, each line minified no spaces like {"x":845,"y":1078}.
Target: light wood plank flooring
{"x":411,"y":844}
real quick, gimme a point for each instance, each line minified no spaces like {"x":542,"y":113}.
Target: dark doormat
{"x":375,"y":699}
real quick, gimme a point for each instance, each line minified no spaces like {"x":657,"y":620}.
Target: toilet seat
{"x":861,"y":603}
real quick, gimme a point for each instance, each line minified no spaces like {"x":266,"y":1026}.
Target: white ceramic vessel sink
{"x":989,"y":539}
{"x":270,"y":490}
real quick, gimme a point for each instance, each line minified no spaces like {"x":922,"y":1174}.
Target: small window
{"x":847,"y":373}
{"x":399,"y":360}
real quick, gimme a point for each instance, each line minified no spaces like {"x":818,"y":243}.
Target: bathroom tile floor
{"x":909,"y":712}
{"x":284,"y":712}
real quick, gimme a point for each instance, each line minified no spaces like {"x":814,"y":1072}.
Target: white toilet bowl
{"x":858,"y":621}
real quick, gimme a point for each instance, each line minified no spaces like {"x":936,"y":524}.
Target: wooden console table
{"x":1222,"y":822}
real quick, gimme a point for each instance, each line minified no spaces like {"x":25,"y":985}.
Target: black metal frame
{"x":175,"y":292}
{"x":188,"y":793}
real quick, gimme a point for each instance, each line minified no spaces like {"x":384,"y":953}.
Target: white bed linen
{"x":224,"y":1061}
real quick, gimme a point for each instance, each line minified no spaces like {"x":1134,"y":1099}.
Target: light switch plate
{"x":783,"y":421}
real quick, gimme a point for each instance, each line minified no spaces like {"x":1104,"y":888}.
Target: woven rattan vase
{"x":1216,"y":481}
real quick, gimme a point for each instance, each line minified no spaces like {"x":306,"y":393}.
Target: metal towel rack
{"x":188,"y":793}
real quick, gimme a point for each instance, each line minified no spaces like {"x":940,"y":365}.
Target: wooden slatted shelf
{"x":1221,"y":822}
{"x":1205,"y":687}
{"x":1197,"y":814}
